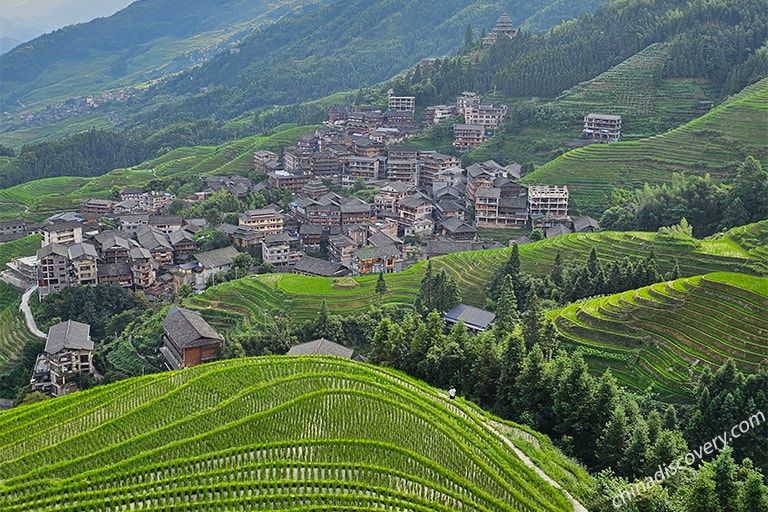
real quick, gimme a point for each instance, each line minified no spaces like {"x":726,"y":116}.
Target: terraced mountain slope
{"x":664,"y":335}
{"x":743,"y":250}
{"x":13,"y":331}
{"x":39,"y":199}
{"x":715,"y":143}
{"x":276,"y":433}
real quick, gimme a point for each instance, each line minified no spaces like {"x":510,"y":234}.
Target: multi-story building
{"x":263,"y":160}
{"x":468,"y":136}
{"x":503,"y":28}
{"x":432,"y":163}
{"x":547,"y":202}
{"x":405,"y":170}
{"x":437,"y":113}
{"x":69,"y":348}
{"x":341,"y":247}
{"x":485,"y":114}
{"x":157,"y":244}
{"x":96,"y":206}
{"x":401,"y":103}
{"x":281,"y":249}
{"x":130,"y":224}
{"x":52,"y":269}
{"x":355,"y":211}
{"x":325,"y":164}
{"x":166,"y":224}
{"x":62,"y":232}
{"x":264,"y":220}
{"x":602,"y":127}
{"x":388,"y":195}
{"x":367,"y":168}
{"x":466,"y":100}
{"x":142,"y":268}
{"x":12,"y":230}
{"x":288,"y":180}
{"x":414,"y":207}
{"x":82,"y":263}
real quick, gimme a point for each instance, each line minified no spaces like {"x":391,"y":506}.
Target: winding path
{"x":30,"y":320}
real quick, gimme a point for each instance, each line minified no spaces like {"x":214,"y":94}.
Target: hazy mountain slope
{"x":145,"y":40}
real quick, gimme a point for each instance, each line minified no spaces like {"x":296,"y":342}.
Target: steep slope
{"x":662,"y":336}
{"x":307,"y":433}
{"x":715,"y":143}
{"x":145,"y":40}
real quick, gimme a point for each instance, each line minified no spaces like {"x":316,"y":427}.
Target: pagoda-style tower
{"x":503,"y":27}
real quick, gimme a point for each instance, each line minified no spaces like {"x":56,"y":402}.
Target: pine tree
{"x":506,"y":309}
{"x":532,"y":323}
{"x":381,"y":286}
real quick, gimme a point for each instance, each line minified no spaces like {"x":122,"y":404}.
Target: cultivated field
{"x":287,"y":433}
{"x":663,"y":336}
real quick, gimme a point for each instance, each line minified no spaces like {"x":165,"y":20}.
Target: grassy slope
{"x":41,"y":198}
{"x":13,"y":331}
{"x":715,"y":143}
{"x":269,"y":432}
{"x":662,"y":336}
{"x":247,"y":298}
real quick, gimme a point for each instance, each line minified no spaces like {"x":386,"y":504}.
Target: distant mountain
{"x":23,"y":20}
{"x":318,"y":46}
{"x":146,"y":40}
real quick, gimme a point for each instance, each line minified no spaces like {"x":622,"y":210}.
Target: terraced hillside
{"x":13,"y":331}
{"x":715,"y":143}
{"x":275,"y":433}
{"x":664,"y":335}
{"x":636,"y":90}
{"x":40,"y":198}
{"x":255,"y":298}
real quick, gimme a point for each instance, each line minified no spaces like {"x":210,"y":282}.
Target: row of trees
{"x":707,"y":205}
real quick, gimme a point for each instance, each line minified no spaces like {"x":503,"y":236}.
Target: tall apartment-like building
{"x":468,"y":136}
{"x":264,"y":221}
{"x":602,"y":127}
{"x":432,"y":163}
{"x":68,"y":347}
{"x":547,"y":202}
{"x":401,"y":103}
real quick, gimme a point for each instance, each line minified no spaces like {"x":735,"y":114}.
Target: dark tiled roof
{"x":189,"y":329}
{"x":583,"y":223}
{"x":322,"y":347}
{"x":318,"y":267}
{"x":473,"y":317}
{"x":151,"y":239}
{"x":68,"y":335}
{"x":558,"y":229}
{"x":106,"y":270}
{"x":455,"y":225}
{"x":217,"y":257}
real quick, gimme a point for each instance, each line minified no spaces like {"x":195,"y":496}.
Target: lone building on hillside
{"x":188,"y":339}
{"x":602,"y":127}
{"x":503,"y":28}
{"x":68,"y":348}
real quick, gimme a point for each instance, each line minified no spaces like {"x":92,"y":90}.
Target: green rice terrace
{"x":715,"y":143}
{"x":13,"y":331}
{"x":662,"y":336}
{"x":41,"y":198}
{"x":276,"y":433}
{"x":255,"y":298}
{"x":636,"y":90}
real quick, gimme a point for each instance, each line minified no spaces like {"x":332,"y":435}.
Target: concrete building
{"x":602,"y":127}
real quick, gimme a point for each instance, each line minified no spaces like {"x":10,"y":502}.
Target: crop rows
{"x":272,"y":433}
{"x":675,"y":329}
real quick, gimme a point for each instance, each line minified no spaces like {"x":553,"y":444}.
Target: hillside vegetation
{"x":41,"y":198}
{"x":663,"y":336}
{"x":14,"y":334}
{"x":144,"y":41}
{"x":246,"y":299}
{"x":307,"y":433}
{"x":714,"y":144}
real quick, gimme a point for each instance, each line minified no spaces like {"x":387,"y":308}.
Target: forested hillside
{"x":146,"y":40}
{"x":722,"y":41}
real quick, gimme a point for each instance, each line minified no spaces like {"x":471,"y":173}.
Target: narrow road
{"x":24,"y":308}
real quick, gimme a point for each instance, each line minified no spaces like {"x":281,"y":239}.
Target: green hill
{"x":41,"y":198}
{"x":715,"y":144}
{"x":13,"y":331}
{"x":276,"y":433}
{"x":663,"y":336}
{"x":245,"y":300}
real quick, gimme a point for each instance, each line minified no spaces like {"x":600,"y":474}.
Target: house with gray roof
{"x":188,"y":339}
{"x":68,"y":347}
{"x":477,"y":320}
{"x":321,"y":347}
{"x":310,"y":266}
{"x":215,"y":261}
